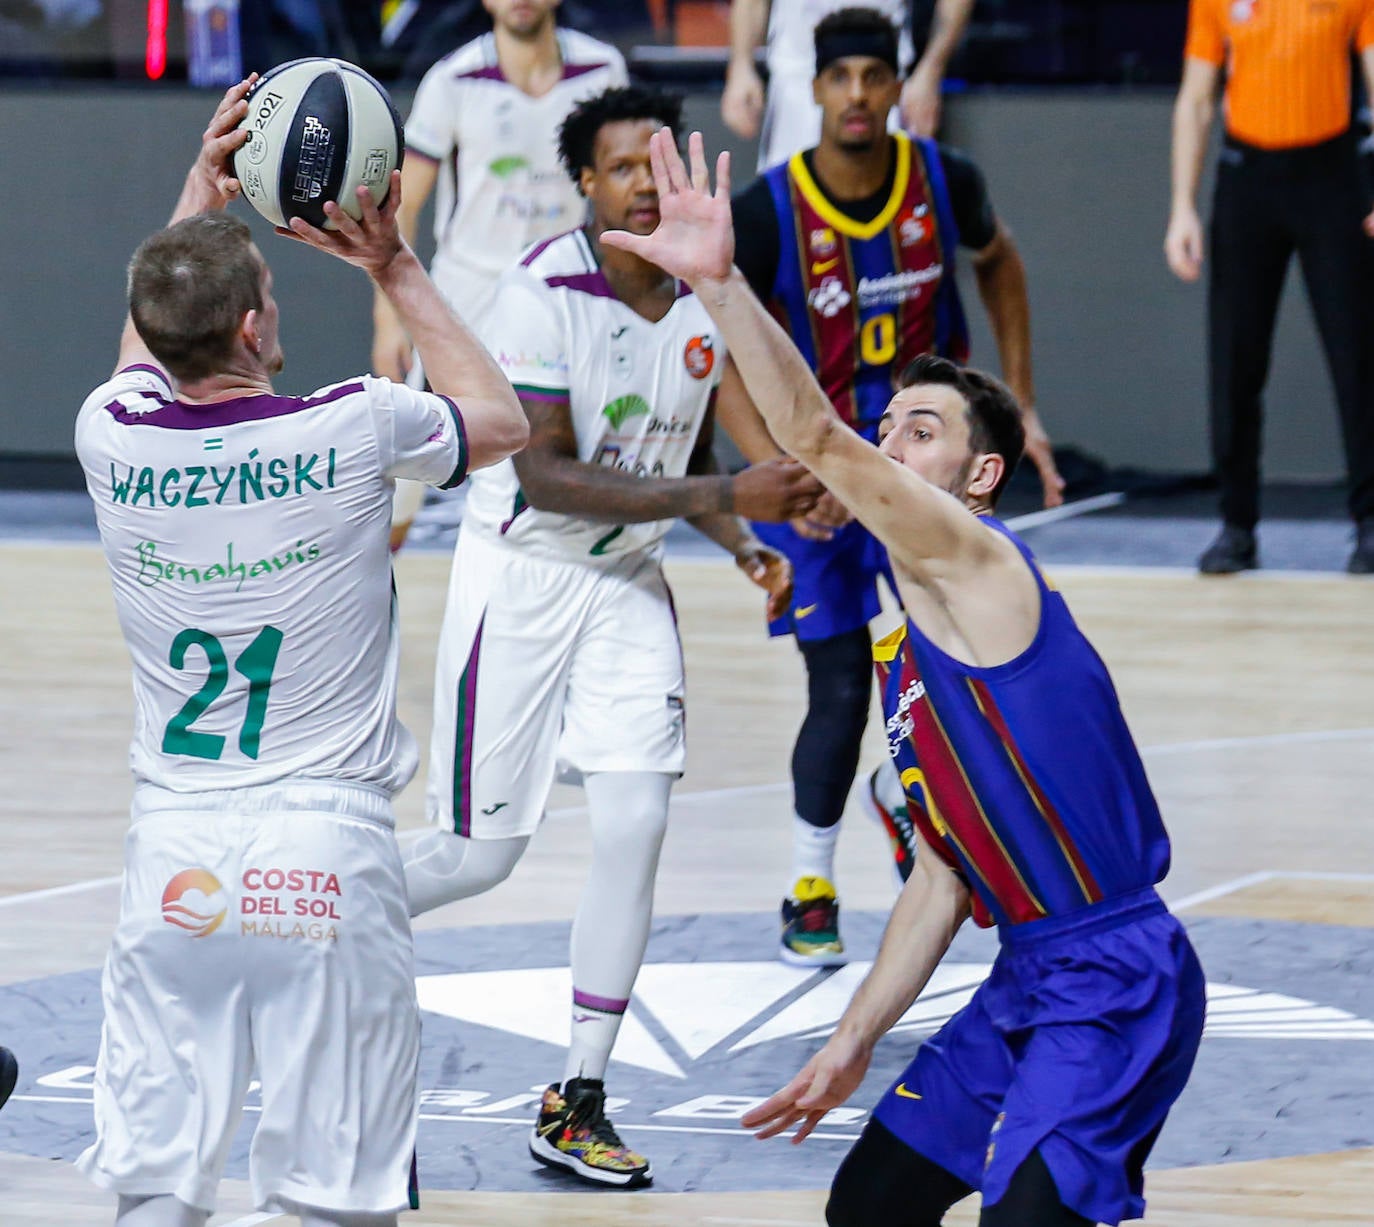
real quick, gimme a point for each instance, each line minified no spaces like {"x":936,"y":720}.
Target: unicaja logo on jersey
{"x":194,"y":900}
{"x":699,"y":357}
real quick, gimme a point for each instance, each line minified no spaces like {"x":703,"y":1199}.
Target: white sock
{"x":162,"y":1210}
{"x":813,"y":851}
{"x":629,"y":813}
{"x":887,"y":787}
{"x":442,"y":867}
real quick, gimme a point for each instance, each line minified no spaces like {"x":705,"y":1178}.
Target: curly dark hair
{"x":577,"y":136}
{"x":994,"y":416}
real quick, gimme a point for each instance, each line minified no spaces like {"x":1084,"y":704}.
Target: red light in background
{"x":155,"y":57}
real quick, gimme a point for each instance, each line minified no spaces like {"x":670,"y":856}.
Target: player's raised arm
{"x":455,"y":362}
{"x":210,"y":185}
{"x":391,"y":347}
{"x":920,"y":524}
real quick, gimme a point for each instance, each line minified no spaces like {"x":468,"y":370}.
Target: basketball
{"x":318,"y":128}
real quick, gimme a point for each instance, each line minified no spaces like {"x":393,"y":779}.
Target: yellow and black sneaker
{"x":811,"y":926}
{"x":574,"y":1132}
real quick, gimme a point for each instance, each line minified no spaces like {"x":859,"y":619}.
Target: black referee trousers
{"x":1269,"y":204}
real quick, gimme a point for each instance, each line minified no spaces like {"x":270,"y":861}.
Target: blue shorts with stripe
{"x":1078,"y":1044}
{"x":834,"y":583}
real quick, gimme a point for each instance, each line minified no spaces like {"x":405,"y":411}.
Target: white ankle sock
{"x":813,"y":851}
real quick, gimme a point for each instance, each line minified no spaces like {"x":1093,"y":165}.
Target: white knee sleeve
{"x":629,"y":814}
{"x":442,"y":867}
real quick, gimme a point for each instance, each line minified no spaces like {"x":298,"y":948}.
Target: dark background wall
{"x":1081,"y":178}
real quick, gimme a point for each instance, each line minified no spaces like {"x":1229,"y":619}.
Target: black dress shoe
{"x":1362,"y":557}
{"x":1233,"y":550}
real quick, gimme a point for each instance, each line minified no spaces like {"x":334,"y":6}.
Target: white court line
{"x":1067,"y":511}
{"x":413,"y":833}
{"x":1270,"y":875}
{"x":751,"y":790}
{"x":1216,"y":892}
{"x":1264,"y":739}
{"x":52,"y":892}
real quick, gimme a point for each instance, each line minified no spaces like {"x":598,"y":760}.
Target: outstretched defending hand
{"x":826,"y":1081}
{"x":695,"y":237}
{"x":371,"y":243}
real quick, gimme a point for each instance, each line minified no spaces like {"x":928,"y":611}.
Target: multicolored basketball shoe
{"x":897,"y":826}
{"x":811,"y":926}
{"x":573,"y":1132}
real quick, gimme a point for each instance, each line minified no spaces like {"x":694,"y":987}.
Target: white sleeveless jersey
{"x":501,"y":186}
{"x":792,"y":120}
{"x":638,"y":391}
{"x":247,"y":544}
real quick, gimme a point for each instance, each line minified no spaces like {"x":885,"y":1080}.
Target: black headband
{"x":874,"y":44}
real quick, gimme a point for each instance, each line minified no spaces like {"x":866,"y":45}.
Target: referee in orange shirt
{"x":1288,"y":179}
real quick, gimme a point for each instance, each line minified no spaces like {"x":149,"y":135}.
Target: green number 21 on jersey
{"x":255,"y":662}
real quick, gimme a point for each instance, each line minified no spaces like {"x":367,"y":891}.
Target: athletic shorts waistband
{"x":1081,"y":922}
{"x":348,"y":800}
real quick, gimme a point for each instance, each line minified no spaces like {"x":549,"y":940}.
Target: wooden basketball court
{"x":1254,"y":700}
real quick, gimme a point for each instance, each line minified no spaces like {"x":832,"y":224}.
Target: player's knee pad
{"x":450,"y":866}
{"x":839,"y":670}
{"x":629,"y":812}
{"x":162,"y":1210}
{"x":882,"y":1182}
{"x":839,"y":674}
{"x":487,"y":862}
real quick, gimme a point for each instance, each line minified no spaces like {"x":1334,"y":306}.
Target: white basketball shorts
{"x":543,"y":666}
{"x":260,"y":929}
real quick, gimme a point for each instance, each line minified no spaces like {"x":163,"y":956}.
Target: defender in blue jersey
{"x":1048,"y":1090}
{"x":852,"y":247}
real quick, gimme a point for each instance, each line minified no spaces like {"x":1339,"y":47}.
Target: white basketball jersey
{"x":792,"y":120}
{"x":247,"y":543}
{"x":501,"y":186}
{"x":638,"y":391}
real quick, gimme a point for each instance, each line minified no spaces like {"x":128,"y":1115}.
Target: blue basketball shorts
{"x":835,"y":582}
{"x":1077,"y":1044}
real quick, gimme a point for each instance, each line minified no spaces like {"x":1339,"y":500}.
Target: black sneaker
{"x":1232,"y":551}
{"x":573,"y":1132}
{"x":1362,"y":558}
{"x":9,"y":1074}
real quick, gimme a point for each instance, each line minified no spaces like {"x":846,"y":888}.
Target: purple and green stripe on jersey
{"x":465,"y":725}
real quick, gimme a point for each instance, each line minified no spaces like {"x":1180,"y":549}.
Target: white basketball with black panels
{"x":318,"y":129}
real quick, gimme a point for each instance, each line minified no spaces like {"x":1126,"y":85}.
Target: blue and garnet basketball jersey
{"x":862,"y":299}
{"x":1022,"y":777}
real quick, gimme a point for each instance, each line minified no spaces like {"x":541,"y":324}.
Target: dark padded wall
{"x":1080,"y":178}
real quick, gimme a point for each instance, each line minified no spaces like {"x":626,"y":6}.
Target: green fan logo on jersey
{"x":503,"y":168}
{"x":623,"y":408}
